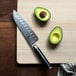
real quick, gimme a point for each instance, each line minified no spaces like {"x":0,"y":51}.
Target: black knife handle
{"x":42,"y":57}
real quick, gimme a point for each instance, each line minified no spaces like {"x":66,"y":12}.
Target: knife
{"x":30,"y":37}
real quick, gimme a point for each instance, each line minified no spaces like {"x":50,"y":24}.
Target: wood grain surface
{"x":63,"y":14}
{"x":6,"y":7}
{"x":8,"y":64}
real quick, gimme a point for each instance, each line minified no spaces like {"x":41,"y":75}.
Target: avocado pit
{"x":43,"y":14}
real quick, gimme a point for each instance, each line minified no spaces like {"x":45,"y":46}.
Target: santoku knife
{"x":30,"y":37}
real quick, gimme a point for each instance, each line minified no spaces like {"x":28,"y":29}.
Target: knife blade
{"x":30,"y":37}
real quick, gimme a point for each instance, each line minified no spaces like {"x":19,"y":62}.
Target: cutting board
{"x":63,"y":13}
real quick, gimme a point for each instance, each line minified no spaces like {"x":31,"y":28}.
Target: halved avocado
{"x":42,"y":14}
{"x":56,"y":35}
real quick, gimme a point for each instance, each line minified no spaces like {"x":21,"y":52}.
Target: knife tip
{"x":14,"y":11}
{"x":14,"y":14}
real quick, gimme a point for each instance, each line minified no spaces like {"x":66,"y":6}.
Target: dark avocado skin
{"x":42,"y":14}
{"x":58,"y":33}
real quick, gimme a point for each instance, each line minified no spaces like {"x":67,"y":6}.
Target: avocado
{"x":56,"y":35}
{"x":42,"y":14}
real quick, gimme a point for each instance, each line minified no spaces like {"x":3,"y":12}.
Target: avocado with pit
{"x":56,"y":35}
{"x":42,"y":14}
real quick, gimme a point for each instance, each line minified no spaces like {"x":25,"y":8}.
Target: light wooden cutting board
{"x":63,"y":14}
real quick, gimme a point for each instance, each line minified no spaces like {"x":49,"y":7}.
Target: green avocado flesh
{"x":56,"y":35}
{"x":42,"y":14}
